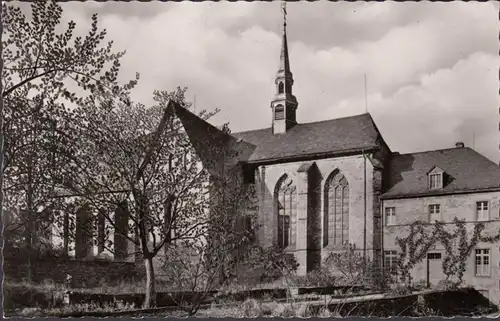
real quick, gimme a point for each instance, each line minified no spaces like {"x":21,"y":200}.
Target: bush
{"x":47,"y":295}
{"x":251,"y":308}
{"x":398,"y":290}
{"x":446,"y":285}
{"x":317,"y":278}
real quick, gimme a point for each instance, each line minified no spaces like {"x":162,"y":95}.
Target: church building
{"x":324,"y":185}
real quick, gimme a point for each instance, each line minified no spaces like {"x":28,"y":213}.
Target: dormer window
{"x":435,"y":177}
{"x":279,"y":112}
{"x":435,"y":181}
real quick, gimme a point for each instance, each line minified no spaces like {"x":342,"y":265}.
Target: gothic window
{"x":279,"y":112}
{"x":336,"y":218}
{"x":280,"y":88}
{"x":286,"y":205}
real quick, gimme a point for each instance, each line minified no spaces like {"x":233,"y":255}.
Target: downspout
{"x":382,"y":259}
{"x":364,"y":210}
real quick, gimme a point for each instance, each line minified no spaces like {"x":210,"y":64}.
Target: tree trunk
{"x":150,"y":298}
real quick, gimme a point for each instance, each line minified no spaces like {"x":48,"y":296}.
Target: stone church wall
{"x":352,"y":168}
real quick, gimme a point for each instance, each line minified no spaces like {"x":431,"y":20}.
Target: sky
{"x":431,"y":68}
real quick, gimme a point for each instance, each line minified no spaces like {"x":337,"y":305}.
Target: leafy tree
{"x":40,"y":66}
{"x":141,"y":159}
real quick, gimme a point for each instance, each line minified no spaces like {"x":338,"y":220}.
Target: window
{"x":434,"y":213}
{"x":482,"y":262}
{"x":286,"y":200}
{"x":280,"y":88}
{"x":434,"y":256}
{"x":482,"y":211}
{"x":391,"y":261}
{"x":435,"y":181}
{"x":336,"y":216}
{"x":390,"y":216}
{"x":279,"y":112}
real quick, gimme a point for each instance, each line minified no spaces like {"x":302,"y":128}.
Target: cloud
{"x":431,"y":67}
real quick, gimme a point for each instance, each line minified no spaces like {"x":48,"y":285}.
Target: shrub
{"x":251,"y":308}
{"x":317,"y":278}
{"x":25,"y":295}
{"x":398,"y":290}
{"x":446,"y":285}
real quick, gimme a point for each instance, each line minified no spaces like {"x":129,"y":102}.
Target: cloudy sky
{"x":432,"y":68}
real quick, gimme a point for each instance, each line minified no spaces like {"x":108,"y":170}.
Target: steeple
{"x":284,"y":104}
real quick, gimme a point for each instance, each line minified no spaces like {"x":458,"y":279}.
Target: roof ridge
{"x":313,"y":122}
{"x":435,"y":150}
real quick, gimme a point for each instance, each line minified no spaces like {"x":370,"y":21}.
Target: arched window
{"x":286,"y":206}
{"x":279,"y":112}
{"x":280,"y":88}
{"x":336,"y":218}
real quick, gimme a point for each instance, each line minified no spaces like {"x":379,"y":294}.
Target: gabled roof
{"x":217,"y":150}
{"x":466,"y":170}
{"x":323,"y":138}
{"x":435,"y":169}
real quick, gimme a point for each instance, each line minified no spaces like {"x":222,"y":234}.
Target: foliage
{"x":273,"y":262}
{"x":22,"y":295}
{"x":317,"y":278}
{"x":202,"y":266}
{"x":414,"y":247}
{"x":350,"y":263}
{"x":398,"y":290}
{"x":458,"y":245}
{"x":140,"y":159}
{"x":42,"y":69}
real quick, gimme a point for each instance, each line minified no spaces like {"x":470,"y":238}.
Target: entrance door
{"x":434,"y":269}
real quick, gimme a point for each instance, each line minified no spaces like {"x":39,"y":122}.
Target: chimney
{"x":459,"y":145}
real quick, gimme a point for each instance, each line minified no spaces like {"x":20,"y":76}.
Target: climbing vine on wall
{"x":414,"y":247}
{"x":458,"y":245}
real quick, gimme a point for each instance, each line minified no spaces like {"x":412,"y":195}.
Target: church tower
{"x":284,"y":104}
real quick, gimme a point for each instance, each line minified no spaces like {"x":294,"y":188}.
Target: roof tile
{"x":466,"y":171}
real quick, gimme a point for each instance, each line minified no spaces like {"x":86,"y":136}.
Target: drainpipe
{"x":364,"y":210}
{"x":382,"y":259}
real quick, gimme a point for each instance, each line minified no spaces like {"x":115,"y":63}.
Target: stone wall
{"x":85,"y":274}
{"x":462,"y":206}
{"x":352,"y":168}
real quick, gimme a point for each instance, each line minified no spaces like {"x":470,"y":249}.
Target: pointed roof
{"x":284,"y":57}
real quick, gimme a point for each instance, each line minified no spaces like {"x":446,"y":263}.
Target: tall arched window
{"x":286,"y":206}
{"x":336,"y":218}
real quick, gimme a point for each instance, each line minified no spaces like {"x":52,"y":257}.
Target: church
{"x":325,"y":185}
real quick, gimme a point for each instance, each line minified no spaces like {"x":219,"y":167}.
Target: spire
{"x":284,"y":104}
{"x":284,"y":59}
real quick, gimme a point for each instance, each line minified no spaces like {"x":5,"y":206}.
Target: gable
{"x":435,"y":170}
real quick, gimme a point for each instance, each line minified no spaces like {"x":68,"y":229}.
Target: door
{"x":434,"y":269}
